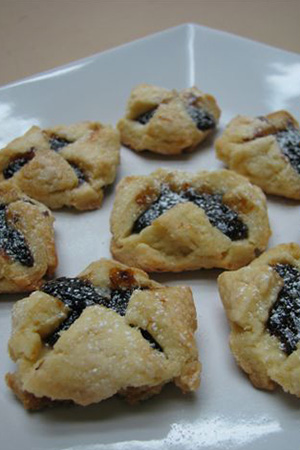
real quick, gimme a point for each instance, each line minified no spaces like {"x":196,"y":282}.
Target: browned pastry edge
{"x":30,"y":402}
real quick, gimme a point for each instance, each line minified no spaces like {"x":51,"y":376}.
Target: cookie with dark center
{"x":262,"y":303}
{"x":165,"y":125}
{"x":85,"y":339}
{"x":27,"y":246}
{"x":175,"y":221}
{"x":266,"y":150}
{"x":70,"y":165}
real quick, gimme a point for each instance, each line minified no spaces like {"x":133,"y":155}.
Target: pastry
{"x":266,"y":150}
{"x":167,"y":122}
{"x":262,"y":303}
{"x":111,"y":330}
{"x":65,"y":165}
{"x":175,"y":221}
{"x":27,"y":246}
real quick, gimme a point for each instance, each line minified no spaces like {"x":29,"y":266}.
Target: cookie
{"x":65,"y":165}
{"x":266,"y":150}
{"x":167,"y":122}
{"x":175,"y":221}
{"x":111,"y":330}
{"x":262,"y":303}
{"x":27,"y":246}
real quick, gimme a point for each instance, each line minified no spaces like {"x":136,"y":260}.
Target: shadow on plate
{"x":170,"y":401}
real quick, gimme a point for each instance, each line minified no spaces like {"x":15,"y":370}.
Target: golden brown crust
{"x":35,"y":222}
{"x":249,"y":146}
{"x":135,"y":395}
{"x":248,"y":295}
{"x":49,"y":175}
{"x":104,"y":353}
{"x":29,"y":401}
{"x":183,"y":238}
{"x":171,"y":130}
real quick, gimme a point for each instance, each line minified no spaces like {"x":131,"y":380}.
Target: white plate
{"x":227,"y":412}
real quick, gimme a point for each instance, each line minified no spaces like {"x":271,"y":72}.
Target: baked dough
{"x":167,"y":122}
{"x":228,"y":230}
{"x":266,"y":150}
{"x":262,"y":303}
{"x":27,"y":246}
{"x":116,"y":331}
{"x":64,"y":165}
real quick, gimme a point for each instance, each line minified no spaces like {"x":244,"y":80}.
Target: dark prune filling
{"x":202,"y":118}
{"x":65,"y":325}
{"x":144,"y":118}
{"x":57,"y":142}
{"x":284,"y":317}
{"x":16,"y":164}
{"x":153,"y":343}
{"x":289,"y":142}
{"x":219,"y":214}
{"x":79,"y":173}
{"x":119,"y":299}
{"x":78,"y":294}
{"x":166,"y":200}
{"x":12,"y":242}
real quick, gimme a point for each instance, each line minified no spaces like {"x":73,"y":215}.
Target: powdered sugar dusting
{"x":289,"y":142}
{"x":12,"y":242}
{"x":284,"y":319}
{"x":219,"y":214}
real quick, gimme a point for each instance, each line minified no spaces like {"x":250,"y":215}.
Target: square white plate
{"x":227,"y":412}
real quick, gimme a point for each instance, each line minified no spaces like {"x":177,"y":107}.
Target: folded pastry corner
{"x":167,"y":122}
{"x":176,"y":221}
{"x":266,"y":150}
{"x":262,"y":303}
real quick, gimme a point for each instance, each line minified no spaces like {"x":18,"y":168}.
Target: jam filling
{"x":78,"y":294}
{"x":12,"y":242}
{"x":16,"y":164}
{"x":79,"y":173}
{"x":289,"y":142}
{"x":57,"y":142}
{"x":144,"y":118}
{"x":219,"y":214}
{"x":155,"y":345}
{"x":284,"y":318}
{"x":203,"y":119}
